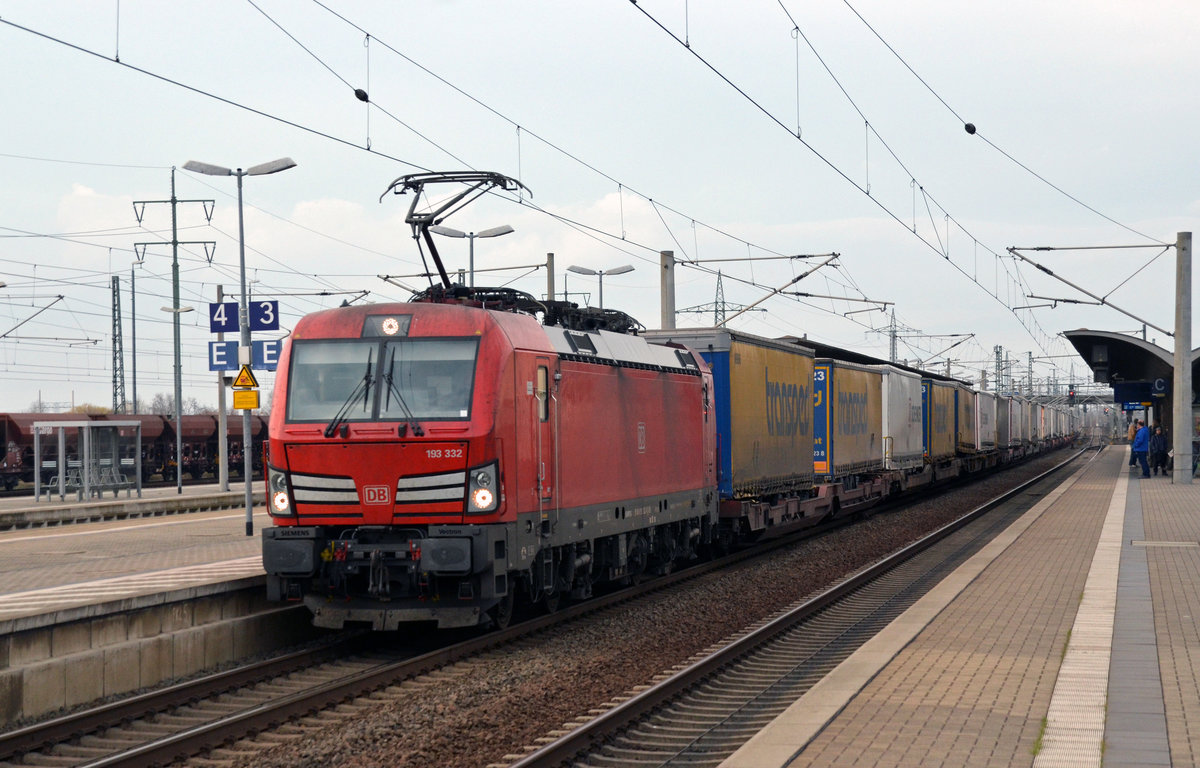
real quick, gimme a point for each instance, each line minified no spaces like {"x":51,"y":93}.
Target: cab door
{"x":544,"y":415}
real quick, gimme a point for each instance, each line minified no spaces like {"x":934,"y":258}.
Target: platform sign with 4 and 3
{"x":223,"y":355}
{"x":223,"y":317}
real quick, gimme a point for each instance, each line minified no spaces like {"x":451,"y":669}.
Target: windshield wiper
{"x":363,"y":388}
{"x":391,"y":389}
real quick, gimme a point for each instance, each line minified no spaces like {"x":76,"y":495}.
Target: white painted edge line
{"x":25,"y":535}
{"x":1074,"y":733}
{"x":779,"y":743}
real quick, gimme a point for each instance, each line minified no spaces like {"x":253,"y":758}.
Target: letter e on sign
{"x":222,"y":356}
{"x":265,"y":354}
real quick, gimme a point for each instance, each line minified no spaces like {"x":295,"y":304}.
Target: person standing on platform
{"x":1158,"y":451}
{"x":1141,"y":447}
{"x":1133,"y":428}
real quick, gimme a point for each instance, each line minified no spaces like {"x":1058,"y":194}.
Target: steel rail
{"x":594,"y":733}
{"x":61,"y":729}
{"x":226,"y":729}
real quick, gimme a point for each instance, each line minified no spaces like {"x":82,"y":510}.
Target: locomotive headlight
{"x":481,"y":493}
{"x":277,"y":491}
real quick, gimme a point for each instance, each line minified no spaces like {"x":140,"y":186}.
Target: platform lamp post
{"x":274,"y":166}
{"x":600,"y":273}
{"x":176,"y":311}
{"x":503,"y":229}
{"x":133,"y":325}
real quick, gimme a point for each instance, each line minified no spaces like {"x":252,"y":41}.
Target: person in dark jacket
{"x":1141,"y":447}
{"x":1158,"y":451}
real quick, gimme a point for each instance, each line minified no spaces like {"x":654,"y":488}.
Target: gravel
{"x":474,"y":714}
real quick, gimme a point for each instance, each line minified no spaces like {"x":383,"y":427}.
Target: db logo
{"x":375,"y":494}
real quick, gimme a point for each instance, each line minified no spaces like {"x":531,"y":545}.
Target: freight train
{"x":439,"y":459}
{"x":198,"y":435}
{"x":434,"y":460}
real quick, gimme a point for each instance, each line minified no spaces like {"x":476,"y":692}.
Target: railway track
{"x":279,"y":698}
{"x":204,"y":715}
{"x":709,"y":707}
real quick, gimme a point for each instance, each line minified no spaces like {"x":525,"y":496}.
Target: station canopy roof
{"x":1118,"y":357}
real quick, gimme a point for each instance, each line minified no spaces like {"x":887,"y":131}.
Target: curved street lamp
{"x":274,"y":166}
{"x":503,"y":229}
{"x":600,"y":273}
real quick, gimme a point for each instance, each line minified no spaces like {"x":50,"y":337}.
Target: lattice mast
{"x":118,"y":350}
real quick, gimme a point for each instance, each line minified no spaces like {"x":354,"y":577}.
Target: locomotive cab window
{"x":430,"y":378}
{"x":324,"y":376}
{"x":389,"y":380}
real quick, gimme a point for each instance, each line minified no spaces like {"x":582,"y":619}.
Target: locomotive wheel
{"x":639,"y":557}
{"x":501,"y":614}
{"x":553,"y":601}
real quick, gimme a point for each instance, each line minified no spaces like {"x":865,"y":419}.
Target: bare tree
{"x":163,"y":404}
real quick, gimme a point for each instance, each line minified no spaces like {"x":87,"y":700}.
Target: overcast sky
{"x":718,"y":131}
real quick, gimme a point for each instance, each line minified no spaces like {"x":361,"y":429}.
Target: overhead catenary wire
{"x":256,"y":111}
{"x":657,"y":206}
{"x":973,"y":130}
{"x":1046,"y":338}
{"x":523,"y":130}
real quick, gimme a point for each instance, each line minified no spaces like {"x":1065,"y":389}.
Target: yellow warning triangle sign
{"x":245,"y":379}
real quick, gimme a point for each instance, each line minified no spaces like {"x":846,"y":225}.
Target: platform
{"x":18,"y":512}
{"x":56,"y":574}
{"x":1071,"y":640}
{"x":100,"y":609}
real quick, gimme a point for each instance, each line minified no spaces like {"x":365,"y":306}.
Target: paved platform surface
{"x":1073,"y":640}
{"x":45,"y":570}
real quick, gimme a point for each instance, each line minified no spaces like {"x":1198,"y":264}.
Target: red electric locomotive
{"x":434,"y":460}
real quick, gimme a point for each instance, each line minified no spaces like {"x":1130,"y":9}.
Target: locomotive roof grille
{"x":620,"y":350}
{"x":688,"y":371}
